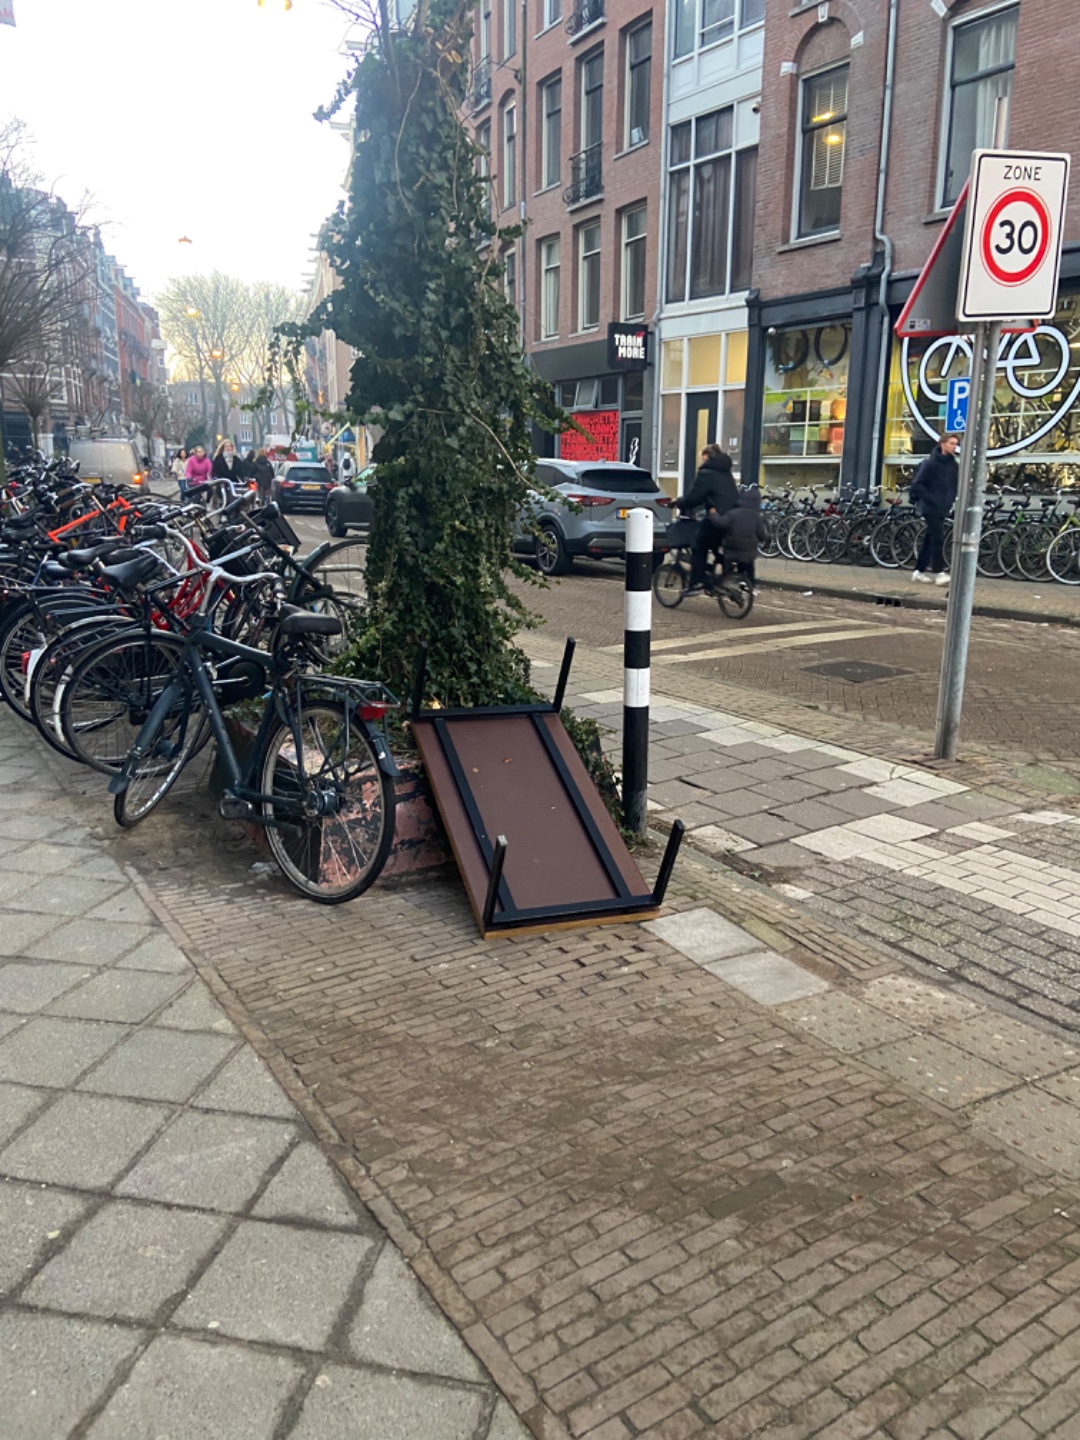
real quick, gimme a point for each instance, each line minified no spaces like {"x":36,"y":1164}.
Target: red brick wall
{"x":1046,"y":106}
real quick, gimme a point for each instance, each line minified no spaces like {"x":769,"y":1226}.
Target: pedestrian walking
{"x":227,"y":463}
{"x":741,"y":531}
{"x":714,"y":489}
{"x":178,"y":469}
{"x":198,"y":468}
{"x":263,"y":473}
{"x":933,"y":493}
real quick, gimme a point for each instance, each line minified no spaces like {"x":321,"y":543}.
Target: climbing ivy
{"x":440,"y":370}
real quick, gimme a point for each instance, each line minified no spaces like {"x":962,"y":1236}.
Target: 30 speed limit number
{"x":1012,"y":247}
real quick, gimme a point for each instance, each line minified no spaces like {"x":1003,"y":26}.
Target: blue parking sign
{"x":956,"y":411}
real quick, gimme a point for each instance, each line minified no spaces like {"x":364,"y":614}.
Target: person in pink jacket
{"x":198,"y":469}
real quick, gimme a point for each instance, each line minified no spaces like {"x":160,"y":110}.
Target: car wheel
{"x":334,"y":522}
{"x":551,"y":556}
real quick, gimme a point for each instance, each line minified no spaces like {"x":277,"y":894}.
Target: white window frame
{"x":583,"y":70}
{"x":509,"y":28}
{"x":510,"y":275}
{"x":483,"y":32}
{"x":552,"y":245}
{"x":625,"y":244}
{"x":738,"y":28}
{"x":552,"y":13}
{"x":691,"y":166}
{"x":628,"y":142}
{"x":946,"y":99}
{"x":796,"y":199}
{"x":545,"y":149}
{"x":508,"y":178}
{"x":582,"y":256}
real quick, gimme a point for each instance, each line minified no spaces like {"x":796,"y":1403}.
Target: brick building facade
{"x":849,"y":208}
{"x":567,"y":102}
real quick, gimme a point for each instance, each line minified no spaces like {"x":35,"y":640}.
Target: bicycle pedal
{"x":231,"y":807}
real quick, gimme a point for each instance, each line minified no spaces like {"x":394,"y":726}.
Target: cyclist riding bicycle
{"x":714,"y":489}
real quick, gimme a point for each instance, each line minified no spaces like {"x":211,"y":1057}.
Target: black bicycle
{"x":318,"y":773}
{"x":733,"y":592}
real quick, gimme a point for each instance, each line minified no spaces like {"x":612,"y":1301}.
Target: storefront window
{"x":670,"y":422}
{"x":805,"y":405}
{"x":1035,"y":423}
{"x":735,"y":364}
{"x":704,"y":360}
{"x":672,"y":372}
{"x":709,"y":406}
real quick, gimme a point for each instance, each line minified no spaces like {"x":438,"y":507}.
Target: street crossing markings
{"x":784,"y":643}
{"x":674,"y":642}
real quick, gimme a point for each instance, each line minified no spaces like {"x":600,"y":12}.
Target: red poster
{"x":601,"y":442}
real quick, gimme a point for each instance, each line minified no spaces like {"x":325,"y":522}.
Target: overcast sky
{"x":185,"y":118}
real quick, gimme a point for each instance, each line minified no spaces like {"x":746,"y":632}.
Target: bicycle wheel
{"x":735,"y":596}
{"x":1008,"y":550}
{"x":669,"y":583}
{"x":335,"y":584}
{"x":1063,"y":557}
{"x":52,"y":670}
{"x":111,"y":693}
{"x":162,"y":748}
{"x":769,"y":548}
{"x":989,"y":562}
{"x":857,"y":542}
{"x":835,"y":531}
{"x":881,"y":544}
{"x":1031,"y":550}
{"x":331,"y":822}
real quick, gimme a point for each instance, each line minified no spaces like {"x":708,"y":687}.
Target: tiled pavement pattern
{"x":177,"y":1257}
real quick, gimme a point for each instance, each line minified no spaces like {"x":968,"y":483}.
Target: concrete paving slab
{"x":702,"y":935}
{"x":187,"y":1389}
{"x":1021,"y":1049}
{"x":398,"y":1325}
{"x":717,"y":839}
{"x":768,"y":978}
{"x":17,"y":1104}
{"x":939,"y":1070}
{"x":505,"y":1425}
{"x":83,"y":1141}
{"x":214,"y":1162}
{"x":245,"y":1084}
{"x":905,"y":792}
{"x":1038,"y":1124}
{"x":56,"y":1052}
{"x":124,"y":905}
{"x":277,"y":1284}
{"x":812,"y":814}
{"x":765,"y":829}
{"x":919,"y":1005}
{"x":46,"y":857}
{"x":845,"y":1024}
{"x":9,"y":1023}
{"x":88,"y":942}
{"x":27,"y":987}
{"x":158,"y":1065}
{"x":783,"y":856}
{"x":100,"y":867}
{"x":892,"y":828}
{"x":126,"y":1261}
{"x":837,"y":842}
{"x":55,"y":1368}
{"x":111,"y":995}
{"x":196,"y":1009}
{"x":858,"y":803}
{"x":32,"y":827}
{"x":307,"y":1188}
{"x":159,"y":953}
{"x":64,"y":895}
{"x":31,"y":1219}
{"x":366,"y":1405}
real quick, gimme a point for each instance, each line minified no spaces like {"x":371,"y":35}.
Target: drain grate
{"x":856,"y":672}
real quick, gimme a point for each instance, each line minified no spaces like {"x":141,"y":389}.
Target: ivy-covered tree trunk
{"x":440,"y":370}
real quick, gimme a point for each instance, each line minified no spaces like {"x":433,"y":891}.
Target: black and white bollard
{"x":637,"y":630}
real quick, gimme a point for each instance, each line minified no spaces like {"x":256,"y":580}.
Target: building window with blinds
{"x":980,"y":74}
{"x":638,"y":74}
{"x":589,"y":276}
{"x":633,"y":264}
{"x":509,"y":157}
{"x":824,"y":140}
{"x":710,"y":200}
{"x":551,"y":136}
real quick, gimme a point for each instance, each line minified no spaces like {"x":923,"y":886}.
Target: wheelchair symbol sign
{"x":956,"y":408}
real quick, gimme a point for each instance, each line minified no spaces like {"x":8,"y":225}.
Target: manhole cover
{"x":856,"y":672}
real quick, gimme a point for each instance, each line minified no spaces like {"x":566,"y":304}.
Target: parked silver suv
{"x":606,"y":491}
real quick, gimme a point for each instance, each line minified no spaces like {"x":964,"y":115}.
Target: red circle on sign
{"x":1015,"y":277}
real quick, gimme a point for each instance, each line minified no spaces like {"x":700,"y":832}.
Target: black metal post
{"x":564,"y":674}
{"x":671,"y":850}
{"x":421,"y":677}
{"x":498,"y":858}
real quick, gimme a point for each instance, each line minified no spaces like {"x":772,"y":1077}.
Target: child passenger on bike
{"x":739,"y":532}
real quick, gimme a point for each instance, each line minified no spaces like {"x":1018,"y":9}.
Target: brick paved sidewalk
{"x":177,"y":1257}
{"x":1022,"y":600}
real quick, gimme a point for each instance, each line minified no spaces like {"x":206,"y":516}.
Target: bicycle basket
{"x":682,"y":533}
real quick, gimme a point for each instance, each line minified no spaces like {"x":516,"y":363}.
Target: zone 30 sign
{"x":1012,"y":236}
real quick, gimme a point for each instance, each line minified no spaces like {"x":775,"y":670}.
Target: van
{"x":117,"y":462}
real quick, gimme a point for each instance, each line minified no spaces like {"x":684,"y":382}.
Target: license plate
{"x":622,"y":514}
{"x":310,"y":487}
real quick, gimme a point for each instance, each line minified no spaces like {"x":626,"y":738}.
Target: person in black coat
{"x":741,"y":531}
{"x":227,"y":463}
{"x":933,"y":493}
{"x":263,"y":474}
{"x":714,"y":489}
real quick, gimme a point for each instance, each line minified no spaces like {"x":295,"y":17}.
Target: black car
{"x":349,"y":506}
{"x":302,"y":485}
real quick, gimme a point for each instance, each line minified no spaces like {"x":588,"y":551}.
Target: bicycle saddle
{"x":295,"y":621}
{"x":131,"y":572}
{"x":80,"y":559}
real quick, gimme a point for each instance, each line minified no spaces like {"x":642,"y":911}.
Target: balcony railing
{"x":585,"y":176}
{"x":587,"y":13}
{"x":480,"y":85}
